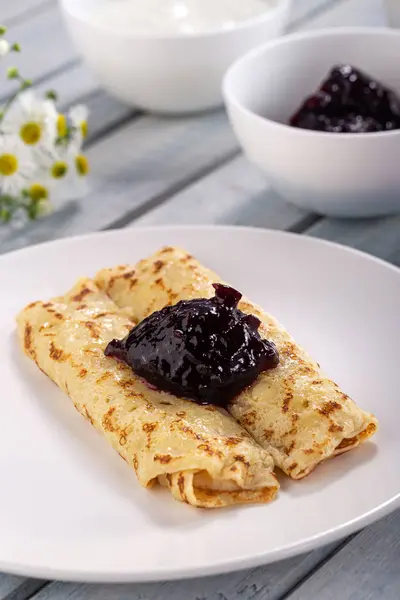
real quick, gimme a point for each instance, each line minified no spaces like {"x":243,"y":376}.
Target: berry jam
{"x":349,"y":101}
{"x":206,"y":349}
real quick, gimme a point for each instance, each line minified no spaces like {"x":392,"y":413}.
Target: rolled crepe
{"x":199,"y":452}
{"x":294,"y":411}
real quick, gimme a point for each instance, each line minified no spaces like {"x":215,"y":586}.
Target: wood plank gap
{"x":33,"y":593}
{"x":304,"y":224}
{"x":27,"y":590}
{"x":112,"y":127}
{"x":316,"y":12}
{"x":30,"y":12}
{"x":318,"y":566}
{"x":159,"y":199}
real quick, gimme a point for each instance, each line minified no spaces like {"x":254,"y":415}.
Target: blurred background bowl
{"x":166,"y":73}
{"x":337,"y":174}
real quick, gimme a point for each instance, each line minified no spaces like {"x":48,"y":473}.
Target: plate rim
{"x":242,"y":228}
{"x":223,"y":566}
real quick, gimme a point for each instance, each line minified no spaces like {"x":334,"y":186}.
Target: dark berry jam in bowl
{"x":339,"y":159}
{"x":349,"y":101}
{"x":206,"y":350}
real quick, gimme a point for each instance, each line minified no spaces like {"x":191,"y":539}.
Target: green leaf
{"x":3,"y":30}
{"x":51,"y":95}
{"x":26,"y":83}
{"x":15,"y":47}
{"x":5,"y":214}
{"x":12,"y":73}
{"x":7,"y":201}
{"x":32,"y":210}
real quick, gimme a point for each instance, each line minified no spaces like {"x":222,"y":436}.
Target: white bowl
{"x":338,"y":174}
{"x":166,"y":73}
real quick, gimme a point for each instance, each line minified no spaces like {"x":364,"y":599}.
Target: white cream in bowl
{"x":169,"y":56}
{"x":174,"y":17}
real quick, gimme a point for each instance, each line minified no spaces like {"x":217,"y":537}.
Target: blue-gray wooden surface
{"x":147,"y":170}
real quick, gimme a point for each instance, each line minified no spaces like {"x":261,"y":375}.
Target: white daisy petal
{"x":78,"y":114}
{"x":4,"y":48}
{"x":33,"y":119}
{"x":16,"y":165}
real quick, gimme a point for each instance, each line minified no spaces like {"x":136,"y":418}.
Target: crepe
{"x":294,"y":411}
{"x":199,"y":452}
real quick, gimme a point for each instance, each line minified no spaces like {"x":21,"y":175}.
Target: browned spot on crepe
{"x":108,"y":422}
{"x":162,"y":458}
{"x":88,"y":415}
{"x":81,"y":295}
{"x":329,"y":407}
{"x":268,"y":434}
{"x":158,"y":265}
{"x":241,"y":458}
{"x":181,"y":486}
{"x":232,"y":441}
{"x":249,"y":418}
{"x":334,"y":428}
{"x":28,"y":341}
{"x":129,"y":274}
{"x":208,"y":450}
{"x":106,"y":375}
{"x":32,"y":304}
{"x":57,"y":353}
{"x":148,"y":428}
{"x":286,"y":402}
{"x":92,"y":328}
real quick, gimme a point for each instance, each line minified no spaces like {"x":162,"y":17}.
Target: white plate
{"x":71,"y":509}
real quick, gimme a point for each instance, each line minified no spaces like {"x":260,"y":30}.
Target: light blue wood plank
{"x":350,"y":12}
{"x":19,"y":10}
{"x":303,"y":11}
{"x":234,"y":194}
{"x":267,"y":583}
{"x":45,"y":46}
{"x":140,"y":164}
{"x":368,"y":568}
{"x":380,"y":237}
{"x":18,"y":588}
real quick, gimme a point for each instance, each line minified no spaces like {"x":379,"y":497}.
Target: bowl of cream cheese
{"x":169,"y":56}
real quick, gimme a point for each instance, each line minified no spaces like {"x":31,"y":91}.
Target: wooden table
{"x":148,"y":170}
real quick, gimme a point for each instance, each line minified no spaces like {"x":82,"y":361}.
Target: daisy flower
{"x":16,"y":165}
{"x":33,"y":119}
{"x":67,"y":169}
{"x":38,"y":195}
{"x":41,"y":159}
{"x":78,"y":116}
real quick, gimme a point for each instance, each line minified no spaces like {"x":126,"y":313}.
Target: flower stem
{"x":24,"y":83}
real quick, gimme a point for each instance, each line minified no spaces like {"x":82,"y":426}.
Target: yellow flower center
{"x":82,"y":164}
{"x":62,"y":125}
{"x":59,"y":169}
{"x":30,"y":133}
{"x":38,"y":192}
{"x":84,"y":128}
{"x":8,"y":164}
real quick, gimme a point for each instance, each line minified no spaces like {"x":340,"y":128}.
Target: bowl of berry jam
{"x":319,"y":113}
